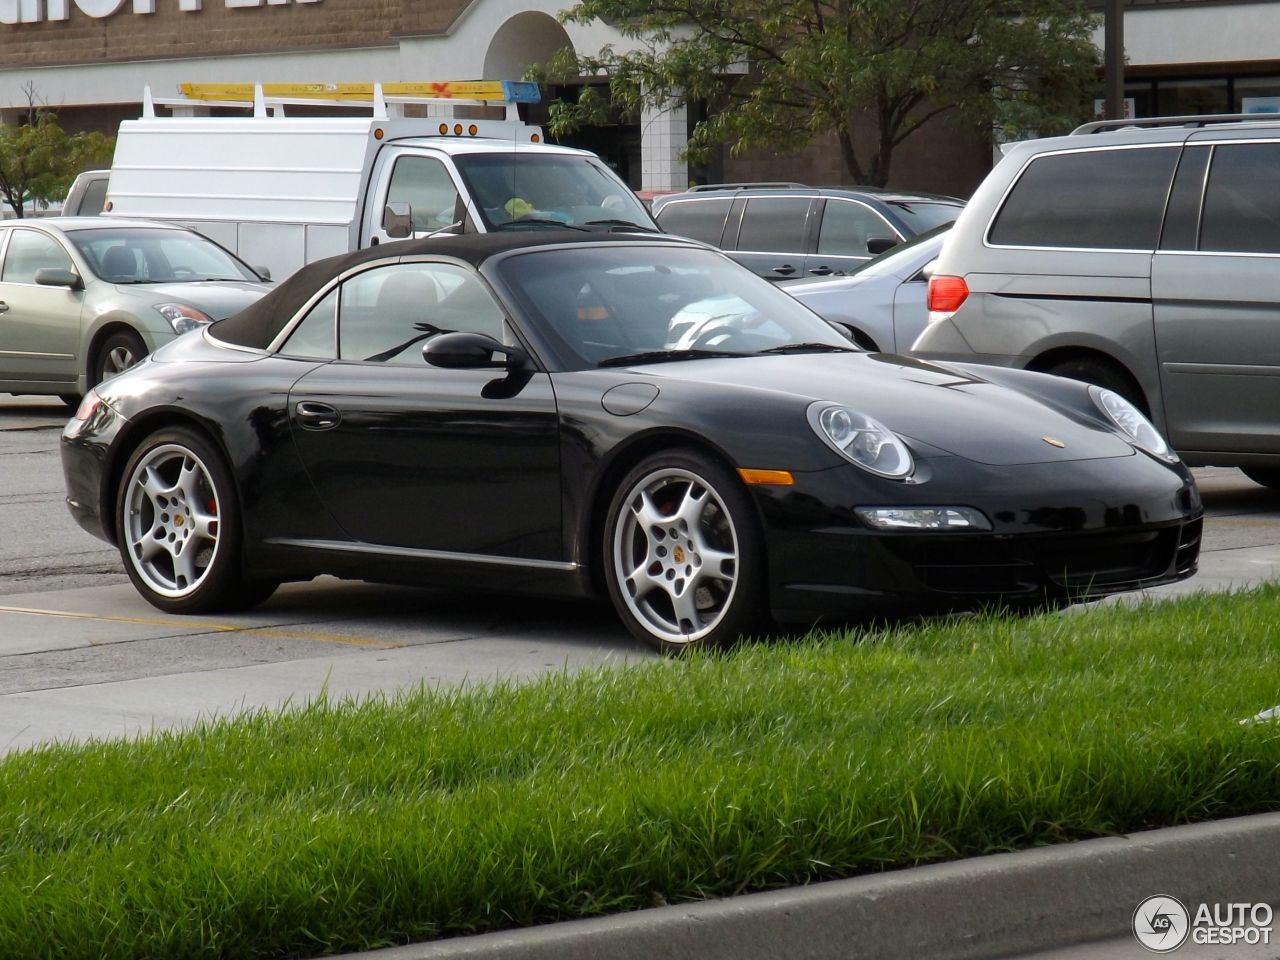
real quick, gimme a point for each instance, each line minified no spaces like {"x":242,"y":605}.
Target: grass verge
{"x":343,"y":827}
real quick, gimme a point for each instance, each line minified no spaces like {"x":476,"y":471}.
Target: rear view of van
{"x":1142,"y":256}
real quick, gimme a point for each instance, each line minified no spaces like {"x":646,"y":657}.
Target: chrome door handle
{"x":786,"y":270}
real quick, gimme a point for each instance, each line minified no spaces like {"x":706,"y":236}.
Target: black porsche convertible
{"x":577,"y":413}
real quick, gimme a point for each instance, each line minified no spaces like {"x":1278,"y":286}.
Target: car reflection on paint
{"x":576,"y":413}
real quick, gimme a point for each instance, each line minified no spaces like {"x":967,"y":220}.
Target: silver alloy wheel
{"x":171,"y":520}
{"x":675,"y":555}
{"x":118,"y":359}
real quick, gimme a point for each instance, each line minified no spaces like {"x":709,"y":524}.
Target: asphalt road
{"x":81,"y":654}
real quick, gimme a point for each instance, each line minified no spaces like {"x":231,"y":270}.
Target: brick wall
{"x":214,"y":30}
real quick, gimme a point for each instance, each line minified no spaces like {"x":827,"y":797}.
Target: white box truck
{"x":282,"y":190}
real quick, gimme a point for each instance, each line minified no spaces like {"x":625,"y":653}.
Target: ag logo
{"x":1161,"y":924}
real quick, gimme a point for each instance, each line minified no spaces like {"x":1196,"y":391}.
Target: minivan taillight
{"x":946,"y":294}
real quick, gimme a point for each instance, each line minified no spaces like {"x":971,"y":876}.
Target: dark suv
{"x":784,"y":230}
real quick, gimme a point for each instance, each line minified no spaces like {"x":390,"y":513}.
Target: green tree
{"x":777,"y":73}
{"x":38,"y":159}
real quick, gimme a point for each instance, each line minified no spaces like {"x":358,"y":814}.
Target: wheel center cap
{"x":178,"y":520}
{"x":678,"y":553}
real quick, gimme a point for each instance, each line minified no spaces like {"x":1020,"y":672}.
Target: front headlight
{"x":1132,"y":423}
{"x":182,"y":317}
{"x":859,"y":438}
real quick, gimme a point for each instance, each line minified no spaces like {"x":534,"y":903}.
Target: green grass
{"x":340,"y":826}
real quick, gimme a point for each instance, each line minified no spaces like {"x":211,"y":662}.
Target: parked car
{"x":88,"y":194}
{"x":1139,"y":256}
{"x":82,"y":298}
{"x":572,"y":413}
{"x":882,"y":302}
{"x":790,"y":230}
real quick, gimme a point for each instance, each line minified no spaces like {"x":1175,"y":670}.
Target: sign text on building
{"x":35,"y":11}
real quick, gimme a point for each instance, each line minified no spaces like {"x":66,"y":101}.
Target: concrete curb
{"x":998,"y":906}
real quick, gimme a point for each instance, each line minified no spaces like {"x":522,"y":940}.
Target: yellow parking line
{"x":211,"y":627}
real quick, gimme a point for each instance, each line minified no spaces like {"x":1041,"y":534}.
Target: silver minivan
{"x":1143,"y":256}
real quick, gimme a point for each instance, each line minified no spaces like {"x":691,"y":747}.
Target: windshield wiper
{"x":657,"y":356}
{"x":538,"y":222}
{"x":812,"y":347}
{"x":615,"y":222}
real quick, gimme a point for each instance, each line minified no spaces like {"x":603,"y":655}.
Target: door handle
{"x":316,"y":416}
{"x":822,"y":271}
{"x":4,"y":307}
{"x":785,"y":270}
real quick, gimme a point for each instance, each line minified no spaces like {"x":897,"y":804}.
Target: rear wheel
{"x":120,"y":351}
{"x":179,"y":528}
{"x":684,"y":558}
{"x":1102,"y":374}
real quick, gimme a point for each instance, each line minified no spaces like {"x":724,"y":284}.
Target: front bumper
{"x":1062,"y":533}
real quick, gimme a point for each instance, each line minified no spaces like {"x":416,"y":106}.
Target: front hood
{"x":217,"y":298}
{"x":952,"y":411}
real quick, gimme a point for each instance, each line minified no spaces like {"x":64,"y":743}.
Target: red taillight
{"x":946,"y":294}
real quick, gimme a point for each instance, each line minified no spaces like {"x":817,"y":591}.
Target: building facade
{"x":90,"y":59}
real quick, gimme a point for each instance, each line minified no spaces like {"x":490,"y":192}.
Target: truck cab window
{"x":424,"y":184}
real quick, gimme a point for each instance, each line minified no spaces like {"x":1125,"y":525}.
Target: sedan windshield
{"x":145,"y":255}
{"x":643,"y":303}
{"x":555,"y":190}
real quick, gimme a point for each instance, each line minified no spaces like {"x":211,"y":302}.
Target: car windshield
{"x":896,"y":258}
{"x":620,"y":303}
{"x":922,"y":215}
{"x":552,"y":189}
{"x":147,"y":255}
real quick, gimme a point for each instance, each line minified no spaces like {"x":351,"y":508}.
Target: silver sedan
{"x":82,"y":298}
{"x":883,"y":301}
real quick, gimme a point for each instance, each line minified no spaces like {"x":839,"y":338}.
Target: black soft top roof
{"x":259,"y":323}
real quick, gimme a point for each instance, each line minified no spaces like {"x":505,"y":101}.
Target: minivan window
{"x":773,"y":224}
{"x":697,"y":219}
{"x":1241,"y":203}
{"x":1100,"y":199}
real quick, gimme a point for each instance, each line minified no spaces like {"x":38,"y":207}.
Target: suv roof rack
{"x":778,"y":185}
{"x":1193,"y":120}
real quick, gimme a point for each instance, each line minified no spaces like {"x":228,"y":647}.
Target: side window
{"x":774,"y":225}
{"x":1098,"y":199}
{"x":386,"y":314}
{"x":316,"y":336}
{"x":847,"y":226}
{"x":1182,"y":221}
{"x":30,"y":251}
{"x":1241,"y":205}
{"x":698,"y":219}
{"x":424,"y":184}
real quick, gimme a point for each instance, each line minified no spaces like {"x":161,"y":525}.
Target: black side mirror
{"x":472,"y":351}
{"x":59,"y":277}
{"x":397,"y":220}
{"x":876,"y":245}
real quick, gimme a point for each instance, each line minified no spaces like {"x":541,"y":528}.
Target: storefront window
{"x":1177,"y":98}
{"x":1257,"y":95}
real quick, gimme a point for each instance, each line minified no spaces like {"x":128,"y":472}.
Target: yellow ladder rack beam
{"x":502,"y":91}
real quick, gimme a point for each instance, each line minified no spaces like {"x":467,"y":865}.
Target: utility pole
{"x":1113,"y":58}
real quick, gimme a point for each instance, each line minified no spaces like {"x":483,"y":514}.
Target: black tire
{"x":120,"y":351}
{"x":659,"y":567}
{"x":179,"y":529}
{"x":1105,"y":375}
{"x":70,"y":400}
{"x":1267,"y":476}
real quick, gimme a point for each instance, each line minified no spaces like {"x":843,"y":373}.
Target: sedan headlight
{"x":1132,"y":423}
{"x":859,"y":438}
{"x":182,"y":317}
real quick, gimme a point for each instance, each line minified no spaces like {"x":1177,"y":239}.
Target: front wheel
{"x":120,"y":351}
{"x":179,"y":529}
{"x":1102,"y":374}
{"x":684,"y":557}
{"x":1267,"y":476}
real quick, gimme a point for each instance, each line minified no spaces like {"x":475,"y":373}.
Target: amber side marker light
{"x":777,"y":478}
{"x":378,"y":134}
{"x":535,"y":138}
{"x":473,"y":129}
